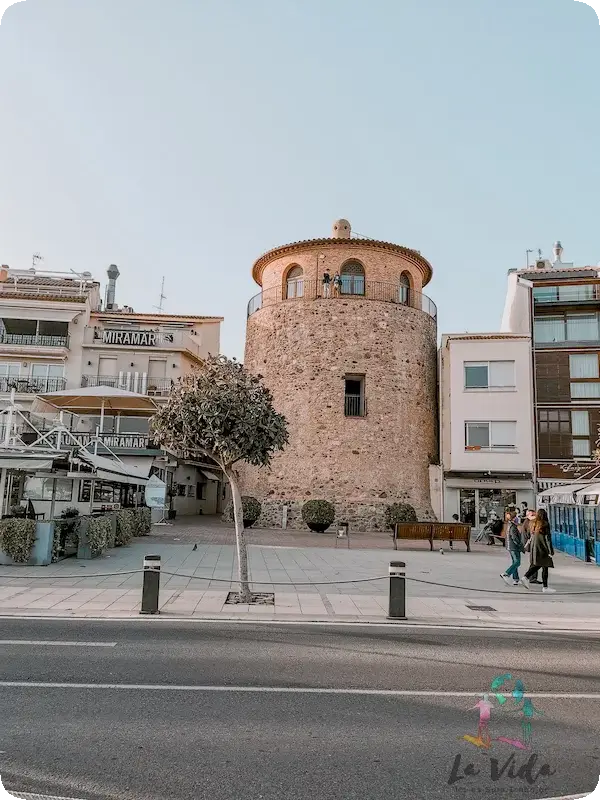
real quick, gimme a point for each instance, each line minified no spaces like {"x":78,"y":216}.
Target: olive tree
{"x":223,"y":412}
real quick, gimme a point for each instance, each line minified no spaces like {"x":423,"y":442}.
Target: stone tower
{"x":352,"y":366}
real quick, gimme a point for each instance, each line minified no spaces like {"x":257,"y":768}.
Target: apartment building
{"x":486,"y":425}
{"x":56,"y":334}
{"x":557,"y":304}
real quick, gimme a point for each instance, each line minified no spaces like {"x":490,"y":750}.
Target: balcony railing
{"x":31,"y":340}
{"x":154,"y":387}
{"x":355,"y":405}
{"x":359,"y":289}
{"x":582,"y":293}
{"x":32,"y":385}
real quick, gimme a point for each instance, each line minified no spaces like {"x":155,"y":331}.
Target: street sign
{"x":156,"y":492}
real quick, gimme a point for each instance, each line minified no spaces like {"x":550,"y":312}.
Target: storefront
{"x":574,"y":514}
{"x":477,"y":498}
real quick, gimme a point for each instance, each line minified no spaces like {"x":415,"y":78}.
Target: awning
{"x":96,"y":398}
{"x":588,"y":496}
{"x":25,"y":464}
{"x":45,"y":314}
{"x":109,"y":470}
{"x":561,"y":495}
{"x":210,"y":475}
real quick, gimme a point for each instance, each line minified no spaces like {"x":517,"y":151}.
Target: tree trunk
{"x":240,"y":539}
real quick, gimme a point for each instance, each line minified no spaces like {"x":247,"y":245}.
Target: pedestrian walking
{"x":515,"y":548}
{"x":326,"y":284}
{"x":541,"y":549}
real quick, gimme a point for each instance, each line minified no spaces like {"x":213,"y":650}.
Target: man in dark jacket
{"x":515,"y":548}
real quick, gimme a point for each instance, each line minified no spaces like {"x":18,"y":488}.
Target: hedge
{"x":17,"y":537}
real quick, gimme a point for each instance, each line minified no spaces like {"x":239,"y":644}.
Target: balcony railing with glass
{"x":557,"y":331}
{"x":32,"y":385}
{"x":154,"y":387}
{"x":582,"y":293}
{"x":31,"y":340}
{"x":355,"y":288}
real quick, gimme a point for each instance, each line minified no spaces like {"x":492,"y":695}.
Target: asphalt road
{"x":266,"y":712}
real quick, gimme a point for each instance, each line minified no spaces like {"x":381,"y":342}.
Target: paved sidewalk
{"x":205,"y":576}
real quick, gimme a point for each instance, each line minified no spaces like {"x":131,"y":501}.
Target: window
{"x":201,"y":491}
{"x":582,"y":327}
{"x":555,"y":420}
{"x":295,"y":283}
{"x":354,"y":396}
{"x":585,"y":391}
{"x":563,"y":294}
{"x":191,"y":490}
{"x":580,"y":423}
{"x":42,"y":488}
{"x":10,"y":370}
{"x":181,"y":490}
{"x":404,"y":288}
{"x":581,"y":448}
{"x":489,"y":375}
{"x":353,"y":278}
{"x":490,"y":435}
{"x":584,"y":366}
{"x":549,"y":329}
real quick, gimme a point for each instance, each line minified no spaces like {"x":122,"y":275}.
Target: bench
{"x":433,"y":531}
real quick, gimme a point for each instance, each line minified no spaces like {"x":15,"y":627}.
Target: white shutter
{"x":502,"y":373}
{"x":504,"y":434}
{"x":584,"y":365}
{"x":585,"y":391}
{"x":580,"y":423}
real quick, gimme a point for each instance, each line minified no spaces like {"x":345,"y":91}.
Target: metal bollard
{"x":397,"y":609}
{"x":151,"y":585}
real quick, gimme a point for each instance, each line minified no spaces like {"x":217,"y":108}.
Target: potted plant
{"x":251,"y":509}
{"x":318,"y":515}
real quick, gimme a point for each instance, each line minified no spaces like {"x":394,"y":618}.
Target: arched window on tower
{"x":294,"y":283}
{"x":405,"y":289}
{"x":353,"y":278}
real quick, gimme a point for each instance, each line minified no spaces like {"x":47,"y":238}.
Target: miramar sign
{"x":135,"y":338}
{"x":116,"y":441}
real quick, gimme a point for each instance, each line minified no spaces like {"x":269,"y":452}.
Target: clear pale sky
{"x":185,"y":138}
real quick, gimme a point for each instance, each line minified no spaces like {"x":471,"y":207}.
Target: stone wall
{"x":304,"y":350}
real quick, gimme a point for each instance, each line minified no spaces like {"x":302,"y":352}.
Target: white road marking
{"x":46,"y":643}
{"x":29,"y":796}
{"x":165,"y":687}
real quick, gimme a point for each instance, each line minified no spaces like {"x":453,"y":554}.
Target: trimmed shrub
{"x":318,"y":514}
{"x":399,"y":512}
{"x":17,"y":537}
{"x":126,"y":527}
{"x":142,"y":520}
{"x":251,"y":510}
{"x":98,"y":534}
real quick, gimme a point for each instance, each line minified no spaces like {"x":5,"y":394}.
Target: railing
{"x":562,"y":330}
{"x":357,"y":289}
{"x":32,"y":385}
{"x":154,"y":387}
{"x":355,"y":406}
{"x":26,"y":339}
{"x":543,"y":295}
{"x":45,"y":289}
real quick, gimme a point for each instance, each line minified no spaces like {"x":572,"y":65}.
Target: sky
{"x":183,"y":139}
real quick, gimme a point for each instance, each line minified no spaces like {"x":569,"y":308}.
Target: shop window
{"x":181,"y":487}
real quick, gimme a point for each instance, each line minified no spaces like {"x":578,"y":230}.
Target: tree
{"x":227,"y":414}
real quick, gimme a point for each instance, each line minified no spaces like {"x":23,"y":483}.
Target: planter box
{"x":84,"y":551}
{"x":41,"y":554}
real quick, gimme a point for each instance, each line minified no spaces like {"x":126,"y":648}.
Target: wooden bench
{"x":433,"y":531}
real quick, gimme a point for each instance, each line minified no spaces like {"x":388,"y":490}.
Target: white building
{"x":486,"y":436}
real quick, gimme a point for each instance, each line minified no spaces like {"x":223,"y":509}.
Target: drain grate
{"x":481,"y":608}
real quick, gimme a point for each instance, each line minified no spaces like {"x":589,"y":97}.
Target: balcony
{"x":355,"y":405}
{"x":153,"y":387}
{"x":32,"y":385}
{"x":33,"y":340}
{"x":587,"y":293}
{"x":358,"y":289}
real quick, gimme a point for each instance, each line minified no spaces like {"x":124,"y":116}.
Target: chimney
{"x":113,"y":273}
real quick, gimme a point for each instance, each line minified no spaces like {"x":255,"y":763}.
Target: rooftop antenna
{"x":527,"y":252}
{"x":35,"y":258}
{"x":163,"y":297}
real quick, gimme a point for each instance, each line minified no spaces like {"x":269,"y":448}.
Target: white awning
{"x":589,"y":495}
{"x":561,"y":495}
{"x":24,"y":463}
{"x":210,"y":475}
{"x":109,"y":470}
{"x":46,"y":314}
{"x":140,"y":463}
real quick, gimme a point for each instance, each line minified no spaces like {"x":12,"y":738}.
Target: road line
{"x":165,"y":687}
{"x":34,"y":796}
{"x":47,"y":643}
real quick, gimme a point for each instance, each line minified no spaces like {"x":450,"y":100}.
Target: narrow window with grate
{"x":354,"y":396}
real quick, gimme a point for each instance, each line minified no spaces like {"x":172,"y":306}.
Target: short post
{"x":397,"y":609}
{"x":151,"y":585}
{"x":343,"y":533}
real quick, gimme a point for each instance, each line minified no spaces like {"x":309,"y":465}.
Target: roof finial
{"x":341,"y":229}
{"x":557,"y":250}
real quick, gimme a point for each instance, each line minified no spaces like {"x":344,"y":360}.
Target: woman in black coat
{"x":541,"y":549}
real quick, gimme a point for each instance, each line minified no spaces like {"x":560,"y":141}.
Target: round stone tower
{"x":346,"y":341}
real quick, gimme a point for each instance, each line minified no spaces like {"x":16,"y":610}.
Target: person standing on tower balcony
{"x":326,"y":284}
{"x":337,"y":284}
